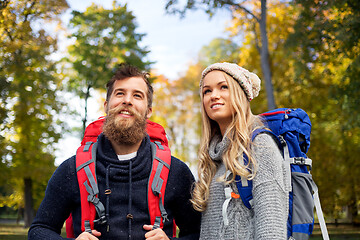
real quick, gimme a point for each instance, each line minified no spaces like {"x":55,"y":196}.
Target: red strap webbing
{"x":159,"y":172}
{"x":272,"y":113}
{"x":70,"y":227}
{"x":88,"y":211}
{"x":174,"y":228}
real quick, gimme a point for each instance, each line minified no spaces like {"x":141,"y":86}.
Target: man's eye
{"x":138,"y":95}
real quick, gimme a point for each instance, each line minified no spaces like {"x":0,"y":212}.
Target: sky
{"x":173,"y":42}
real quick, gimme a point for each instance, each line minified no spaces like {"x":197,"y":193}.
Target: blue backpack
{"x":291,"y":129}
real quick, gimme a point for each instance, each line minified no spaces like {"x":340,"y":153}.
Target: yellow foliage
{"x":14,"y":200}
{"x":176,"y":107}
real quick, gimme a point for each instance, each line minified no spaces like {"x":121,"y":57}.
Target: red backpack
{"x":85,"y":168}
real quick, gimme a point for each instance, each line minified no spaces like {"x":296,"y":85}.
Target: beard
{"x":124,"y":131}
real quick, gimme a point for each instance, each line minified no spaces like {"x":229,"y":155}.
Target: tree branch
{"x":9,"y":34}
{"x":256,"y":39}
{"x":4,"y":3}
{"x":240,"y":7}
{"x":26,"y":15}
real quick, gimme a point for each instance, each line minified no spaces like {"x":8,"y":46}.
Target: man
{"x":123,"y":164}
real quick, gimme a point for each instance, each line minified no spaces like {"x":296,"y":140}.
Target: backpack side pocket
{"x":303,"y":202}
{"x":302,"y":205}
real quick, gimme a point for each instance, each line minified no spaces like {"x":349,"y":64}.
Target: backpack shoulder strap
{"x":90,"y":203}
{"x":244,"y":185}
{"x":276,"y":138}
{"x":157,"y":183}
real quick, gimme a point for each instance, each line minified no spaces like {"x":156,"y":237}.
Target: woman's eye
{"x":224,"y":87}
{"x":206,"y":91}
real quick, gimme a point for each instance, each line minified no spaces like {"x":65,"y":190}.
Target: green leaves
{"x":314,"y":57}
{"x":29,"y":101}
{"x":103,"y":38}
{"x":219,"y":50}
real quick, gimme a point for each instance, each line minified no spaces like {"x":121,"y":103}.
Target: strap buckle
{"x":165,"y":217}
{"x":93,"y":199}
{"x":299,"y":160}
{"x":282,"y":140}
{"x":101,"y":220}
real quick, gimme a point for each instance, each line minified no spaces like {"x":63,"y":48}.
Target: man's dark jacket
{"x":62,"y":197}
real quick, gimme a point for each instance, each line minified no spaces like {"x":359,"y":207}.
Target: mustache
{"x":120,"y":108}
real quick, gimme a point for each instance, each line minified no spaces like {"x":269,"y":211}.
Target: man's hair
{"x":125,"y":70}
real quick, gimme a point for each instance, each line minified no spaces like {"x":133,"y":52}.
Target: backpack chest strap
{"x":230,"y":194}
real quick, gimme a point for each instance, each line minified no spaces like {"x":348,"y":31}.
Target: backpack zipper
{"x":286,"y":112}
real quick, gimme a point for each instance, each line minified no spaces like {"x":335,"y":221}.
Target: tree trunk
{"x":265,"y":63}
{"x":87,"y":95}
{"x":29,"y":211}
{"x":351,"y":213}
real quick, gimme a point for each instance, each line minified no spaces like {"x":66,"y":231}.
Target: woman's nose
{"x":215,"y":94}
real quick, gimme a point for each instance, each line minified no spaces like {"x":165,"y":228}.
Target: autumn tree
{"x":181,"y":119}
{"x":298,"y":87}
{"x":325,"y":44}
{"x":313,"y":70}
{"x":313,"y":73}
{"x":255,"y":14}
{"x":103,"y":38}
{"x":29,"y":101}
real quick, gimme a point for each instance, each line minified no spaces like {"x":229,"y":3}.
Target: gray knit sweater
{"x":268,"y":216}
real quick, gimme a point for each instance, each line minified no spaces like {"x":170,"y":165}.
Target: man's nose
{"x":127,"y":99}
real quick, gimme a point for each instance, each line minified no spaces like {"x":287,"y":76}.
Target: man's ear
{"x":149,"y":113}
{"x":106,"y":107}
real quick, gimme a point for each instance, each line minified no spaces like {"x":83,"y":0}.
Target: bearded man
{"x":123,"y":164}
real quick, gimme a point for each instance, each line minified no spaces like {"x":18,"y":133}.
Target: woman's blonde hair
{"x":238,"y":132}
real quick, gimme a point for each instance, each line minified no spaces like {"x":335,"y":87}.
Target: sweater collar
{"x":141,"y":164}
{"x":217,"y":147}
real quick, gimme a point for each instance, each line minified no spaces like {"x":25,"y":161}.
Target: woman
{"x":226,"y":91}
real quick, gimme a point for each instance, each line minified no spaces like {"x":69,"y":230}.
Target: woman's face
{"x":216,"y":99}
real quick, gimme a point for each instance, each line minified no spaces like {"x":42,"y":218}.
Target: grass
{"x":11,"y":231}
{"x":340,"y":232}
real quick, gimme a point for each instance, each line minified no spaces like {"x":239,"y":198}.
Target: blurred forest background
{"x":306,"y":52}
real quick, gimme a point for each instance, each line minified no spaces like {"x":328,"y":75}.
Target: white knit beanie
{"x":249,"y":81}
